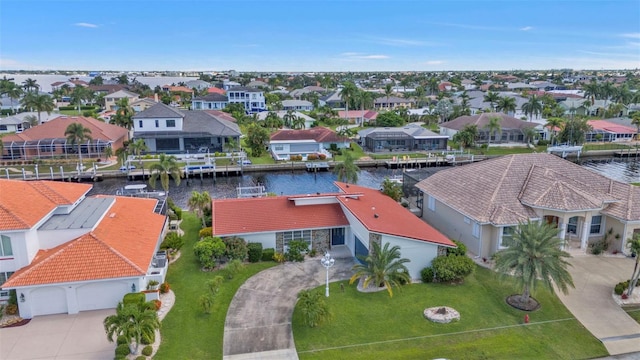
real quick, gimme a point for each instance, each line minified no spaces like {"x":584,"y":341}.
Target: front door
{"x":337,"y":236}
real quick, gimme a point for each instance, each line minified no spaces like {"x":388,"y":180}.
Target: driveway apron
{"x":258,"y":323}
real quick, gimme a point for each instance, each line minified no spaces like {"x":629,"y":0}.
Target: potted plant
{"x":152,"y":285}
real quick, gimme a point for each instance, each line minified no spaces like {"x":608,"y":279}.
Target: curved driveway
{"x":258,"y":323}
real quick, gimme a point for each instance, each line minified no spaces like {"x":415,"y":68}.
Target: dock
{"x":317,"y":166}
{"x":626,"y":153}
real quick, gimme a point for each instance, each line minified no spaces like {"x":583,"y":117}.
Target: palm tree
{"x":38,"y":102}
{"x":506,"y":105}
{"x":13,"y":91}
{"x":493,"y":126}
{"x":347,"y":170}
{"x":592,"y":90}
{"x":534,"y":255}
{"x":529,"y":134}
{"x":419,"y":94}
{"x":388,"y":91}
{"x":30,"y":84}
{"x":108,"y":152}
{"x":133,"y":321}
{"x":137,"y":147}
{"x":165,"y":168}
{"x":198,"y":202}
{"x":230,"y":144}
{"x":383,"y":266}
{"x":124,"y":114}
{"x":298,"y":122}
{"x":532,"y":107}
{"x":288,"y":118}
{"x":79,"y":95}
{"x":467,"y":136}
{"x":349,"y":90}
{"x":634,"y":246}
{"x":272,"y":121}
{"x":77,"y":134}
{"x":365,"y":99}
{"x":635,"y":120}
{"x":492,"y":98}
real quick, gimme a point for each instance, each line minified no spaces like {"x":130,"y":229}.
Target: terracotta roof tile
{"x":55,"y":128}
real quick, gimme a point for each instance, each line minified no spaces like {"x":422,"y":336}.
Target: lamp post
{"x":327,"y":262}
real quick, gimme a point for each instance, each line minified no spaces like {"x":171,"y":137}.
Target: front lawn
{"x":634,"y":313}
{"x":188,"y":333}
{"x":367,"y":326}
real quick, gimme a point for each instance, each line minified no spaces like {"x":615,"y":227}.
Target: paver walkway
{"x":592,"y":304}
{"x":258,"y":324}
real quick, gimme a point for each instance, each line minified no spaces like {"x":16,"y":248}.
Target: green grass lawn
{"x":188,"y":333}
{"x":367,"y":326}
{"x":606,"y":146}
{"x":634,"y":313}
{"x":356,"y":153}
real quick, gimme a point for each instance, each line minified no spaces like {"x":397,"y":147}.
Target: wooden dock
{"x":317,"y":166}
{"x":626,"y":153}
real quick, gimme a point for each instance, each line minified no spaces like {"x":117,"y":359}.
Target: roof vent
{"x":376,"y":216}
{"x":112,"y":215}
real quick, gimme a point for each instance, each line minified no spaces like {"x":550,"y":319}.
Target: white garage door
{"x":100,"y":295}
{"x":48,"y":300}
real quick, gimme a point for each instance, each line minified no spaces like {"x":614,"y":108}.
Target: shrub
{"x":147,"y":351}
{"x":172,"y":241}
{"x":214,"y":284}
{"x":164,"y":288}
{"x":13,"y":297}
{"x":206,"y":302}
{"x":205,"y":232}
{"x":312,"y":157}
{"x":279,"y":258}
{"x":426,"y":274}
{"x":11,"y":309}
{"x":543,"y":142}
{"x":208,"y":251}
{"x":123,"y":350}
{"x":452,"y":268}
{"x":460,"y":250}
{"x":236,"y":248}
{"x":313,"y":252}
{"x":141,"y":357}
{"x":267,"y":254}
{"x":148,"y":339}
{"x":157,"y":303}
{"x":322,"y":156}
{"x":122,"y":340}
{"x":233,"y":268}
{"x":619,"y":289}
{"x":254,"y":252}
{"x":133,"y":298}
{"x":120,"y":357}
{"x":297,"y":249}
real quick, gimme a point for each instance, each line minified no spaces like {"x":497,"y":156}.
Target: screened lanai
{"x":52,"y":148}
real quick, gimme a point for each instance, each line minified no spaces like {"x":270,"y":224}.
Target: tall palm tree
{"x":635,"y":120}
{"x":383,"y":266}
{"x":39,"y":103}
{"x":347,"y":170}
{"x":165,"y":168}
{"x":76,"y":135}
{"x":467,"y":136}
{"x":592,"y":91}
{"x":365,"y":99}
{"x":30,"y":84}
{"x":288,"y":118}
{"x":493,"y":127}
{"x":553,"y":124}
{"x":535,"y":256}
{"x":388,"y":91}
{"x":506,"y":105}
{"x":532,"y":107}
{"x":13,"y":91}
{"x":634,"y":246}
{"x":529,"y":134}
{"x":349,"y":90}
{"x":492,"y":98}
{"x":124,"y":114}
{"x":298,"y":122}
{"x":198,"y":202}
{"x":133,"y":321}
{"x":419,"y":93}
{"x":137,"y":147}
{"x":79,"y":95}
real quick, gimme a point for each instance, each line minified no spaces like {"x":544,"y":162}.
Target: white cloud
{"x":356,"y":55}
{"x":401,"y":42}
{"x":434,"y":62}
{"x":373,"y":57}
{"x":631,"y":35}
{"x":526,"y":28}
{"x":86,"y":25}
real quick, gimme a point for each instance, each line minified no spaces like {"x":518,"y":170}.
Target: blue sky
{"x":305,"y":35}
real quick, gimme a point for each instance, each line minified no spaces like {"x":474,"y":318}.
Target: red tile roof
{"x":55,"y":128}
{"x":215,"y":90}
{"x":392,"y":218}
{"x":274,"y":213}
{"x":122,"y":245}
{"x":352,"y":114}
{"x":24,"y":203}
{"x":318,"y":134}
{"x":222,"y":115}
{"x":612,"y":127}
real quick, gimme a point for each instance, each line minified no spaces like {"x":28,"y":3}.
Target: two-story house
{"x":65,"y":252}
{"x":211,"y":101}
{"x":252,"y":99}
{"x":168,"y":130}
{"x":110,"y":100}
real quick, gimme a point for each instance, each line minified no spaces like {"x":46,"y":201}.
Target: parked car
{"x":127,"y":168}
{"x":244,"y":162}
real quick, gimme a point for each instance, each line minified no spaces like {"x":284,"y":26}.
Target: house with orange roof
{"x":318,"y":140}
{"x":603,"y":130}
{"x":358,"y":116}
{"x":351,"y":219}
{"x":48,"y":140}
{"x":67,"y":252}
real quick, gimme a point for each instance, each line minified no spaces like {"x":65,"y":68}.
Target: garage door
{"x":48,"y":300}
{"x":100,"y":295}
{"x":300,"y":148}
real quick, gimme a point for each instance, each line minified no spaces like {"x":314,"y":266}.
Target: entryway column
{"x":586,"y":227}
{"x":562,"y":225}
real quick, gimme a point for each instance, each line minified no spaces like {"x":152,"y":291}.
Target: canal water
{"x":302,"y":182}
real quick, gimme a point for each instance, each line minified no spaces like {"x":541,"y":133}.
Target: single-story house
{"x":297,"y":93}
{"x":604,"y":130}
{"x":481,"y":203}
{"x":511,"y":128}
{"x":354,"y":217}
{"x":358,"y":116}
{"x":297,"y":105}
{"x":169,"y":130}
{"x":12,"y":124}
{"x":317,"y":140}
{"x":142,"y":104}
{"x":48,"y":140}
{"x":64,"y":252}
{"x":211,"y":101}
{"x":408,"y":138}
{"x":308,"y":120}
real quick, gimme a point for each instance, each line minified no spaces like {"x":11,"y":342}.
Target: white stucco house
{"x":65,"y":252}
{"x":317,"y":140}
{"x":252,"y":99}
{"x":353,"y":218}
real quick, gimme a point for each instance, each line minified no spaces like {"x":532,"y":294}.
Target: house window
{"x":157,"y":123}
{"x":171,"y":123}
{"x":507,"y":236}
{"x":5,"y":246}
{"x":596,"y":223}
{"x":4,"y":276}
{"x":297,"y":235}
{"x":3,"y":127}
{"x":476,"y":230}
{"x":431,"y":203}
{"x":467,"y":220}
{"x":278,"y":148}
{"x":572,"y":225}
{"x":140,"y":124}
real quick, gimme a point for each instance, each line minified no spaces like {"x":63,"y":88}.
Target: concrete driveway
{"x":258,"y":324}
{"x":58,"y":337}
{"x":592,"y":304}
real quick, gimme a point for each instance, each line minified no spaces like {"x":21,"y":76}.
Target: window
{"x":572,"y":225}
{"x":596,"y":223}
{"x":467,"y":220}
{"x":171,"y":123}
{"x":431,"y":203}
{"x":507,"y":236}
{"x":476,"y":230}
{"x":3,"y":127}
{"x":278,"y":148}
{"x":297,"y":235}
{"x":5,"y":246}
{"x":157,"y":123}
{"x":140,"y":124}
{"x":4,"y":276}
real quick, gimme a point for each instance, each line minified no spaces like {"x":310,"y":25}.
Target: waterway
{"x":302,"y":182}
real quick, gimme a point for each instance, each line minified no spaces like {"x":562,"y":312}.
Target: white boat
{"x":139,"y":190}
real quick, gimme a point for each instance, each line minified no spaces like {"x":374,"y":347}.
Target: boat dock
{"x":317,"y":166}
{"x":626,"y":153}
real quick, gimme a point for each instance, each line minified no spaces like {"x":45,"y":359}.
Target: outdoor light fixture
{"x":22,"y":297}
{"x":327,"y":262}
{"x":133,"y":287}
